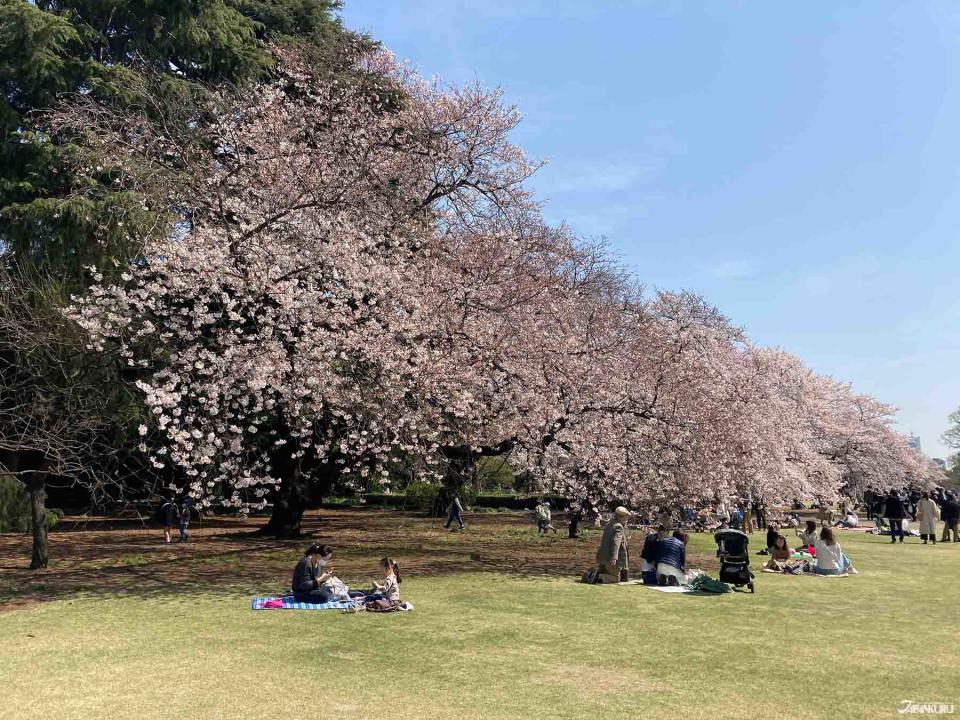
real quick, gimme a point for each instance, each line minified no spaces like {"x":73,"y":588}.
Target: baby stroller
{"x":732,"y":549}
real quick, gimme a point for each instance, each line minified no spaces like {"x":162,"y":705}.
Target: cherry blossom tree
{"x":354,"y":273}
{"x":276,"y":327}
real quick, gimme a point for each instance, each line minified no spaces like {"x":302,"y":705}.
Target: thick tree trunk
{"x":288,"y":505}
{"x":575,"y":517}
{"x":38,"y":508}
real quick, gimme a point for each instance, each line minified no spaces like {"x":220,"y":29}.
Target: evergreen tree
{"x":64,"y":223}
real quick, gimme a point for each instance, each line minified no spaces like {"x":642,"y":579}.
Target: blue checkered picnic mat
{"x":290,"y":604}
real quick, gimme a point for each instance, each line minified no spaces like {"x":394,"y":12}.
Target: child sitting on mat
{"x":384,"y":595}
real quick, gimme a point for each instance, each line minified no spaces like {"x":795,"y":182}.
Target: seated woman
{"x":772,"y":536}
{"x":310,"y":576}
{"x":830,"y":558}
{"x":808,"y":536}
{"x":649,"y":554}
{"x":671,"y":559}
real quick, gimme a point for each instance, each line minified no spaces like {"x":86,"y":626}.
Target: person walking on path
{"x":185,"y":508}
{"x":895,"y":512}
{"x":613,"y":560}
{"x":455,"y":512}
{"x":170,"y":516}
{"x":951,"y":517}
{"x":928,"y":513}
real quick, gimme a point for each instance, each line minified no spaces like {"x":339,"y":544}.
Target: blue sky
{"x":795,"y":163}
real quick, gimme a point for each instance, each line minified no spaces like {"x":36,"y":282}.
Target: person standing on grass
{"x":760,"y":512}
{"x":736,"y":518}
{"x":185,"y":519}
{"x":613,"y":560}
{"x":544,"y":518}
{"x":895,"y":512}
{"x":170,"y":515}
{"x":950,"y":514}
{"x":869,"y":497}
{"x":928,"y":514}
{"x":455,"y":512}
{"x":747,"y":521}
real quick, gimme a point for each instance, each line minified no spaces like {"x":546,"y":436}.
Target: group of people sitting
{"x":663,"y":559}
{"x":315,"y":582}
{"x":819,"y":552}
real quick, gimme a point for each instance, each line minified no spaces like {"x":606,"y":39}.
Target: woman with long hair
{"x":830,"y":558}
{"x":311,"y":573}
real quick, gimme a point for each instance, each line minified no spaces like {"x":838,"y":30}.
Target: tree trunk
{"x":36,"y":485}
{"x":288,"y":505}
{"x":575,"y":517}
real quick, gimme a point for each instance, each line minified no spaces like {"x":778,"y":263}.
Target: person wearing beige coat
{"x":613,"y":559}
{"x":928,"y":513}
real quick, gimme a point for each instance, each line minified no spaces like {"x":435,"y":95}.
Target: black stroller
{"x":732,"y":549}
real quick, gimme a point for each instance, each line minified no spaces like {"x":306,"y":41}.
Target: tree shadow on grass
{"x":225,"y":558}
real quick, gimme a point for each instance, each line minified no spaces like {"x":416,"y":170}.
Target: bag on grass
{"x":706,"y":583}
{"x":591,"y":576}
{"x":382,"y":605}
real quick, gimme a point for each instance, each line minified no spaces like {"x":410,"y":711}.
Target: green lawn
{"x":494,"y":644}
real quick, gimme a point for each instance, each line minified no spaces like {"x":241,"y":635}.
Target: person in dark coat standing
{"x":454,"y":513}
{"x":185,"y":507}
{"x":869,"y":498}
{"x":950,"y":514}
{"x":170,"y":515}
{"x":894,"y":511}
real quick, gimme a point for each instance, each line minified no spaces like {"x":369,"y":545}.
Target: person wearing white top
{"x":830,"y":558}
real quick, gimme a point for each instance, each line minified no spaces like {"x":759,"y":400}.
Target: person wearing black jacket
{"x":310,"y":574}
{"x":650,"y":554}
{"x":894,"y":511}
{"x":170,"y":515}
{"x":950,"y":514}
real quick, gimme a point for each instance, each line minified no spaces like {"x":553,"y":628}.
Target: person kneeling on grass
{"x":311,"y":574}
{"x":830,"y":558}
{"x":613,"y":559}
{"x":672,"y":559}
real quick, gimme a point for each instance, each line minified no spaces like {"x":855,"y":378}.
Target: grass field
{"x":500,"y":630}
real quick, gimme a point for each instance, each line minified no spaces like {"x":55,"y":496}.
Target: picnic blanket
{"x":288,"y":603}
{"x":679,"y":589}
{"x":780,"y":572}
